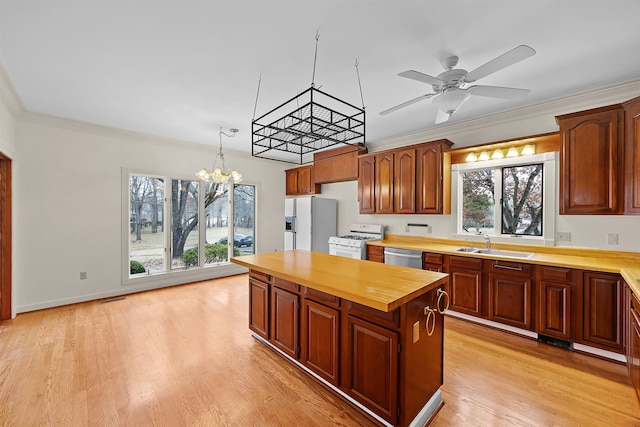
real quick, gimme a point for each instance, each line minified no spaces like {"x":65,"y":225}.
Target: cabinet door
{"x":284,"y":321}
{"x":372,"y":356}
{"x":320,"y":338}
{"x":632,"y":155}
{"x":429,"y":180}
{"x":366,"y":184}
{"x":291,"y":183}
{"x":465,"y":291}
{"x":404,"y":186}
{"x":259,"y":308}
{"x":384,"y":183}
{"x":510,"y":300}
{"x":305,"y":180}
{"x":635,"y":350}
{"x":591,"y":179}
{"x":602,"y":315}
{"x":554,"y":309}
{"x":375,"y":253}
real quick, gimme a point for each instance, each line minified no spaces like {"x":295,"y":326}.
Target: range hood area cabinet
{"x":600,"y":160}
{"x":412,"y":179}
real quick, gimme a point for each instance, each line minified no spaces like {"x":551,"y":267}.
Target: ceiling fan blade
{"x":498,"y":92}
{"x":516,"y":54}
{"x":407,"y":103}
{"x":421,"y":77}
{"x":441,"y":116}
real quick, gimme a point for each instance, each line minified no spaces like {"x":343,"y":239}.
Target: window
{"x":183,"y":224}
{"x":506,"y":198}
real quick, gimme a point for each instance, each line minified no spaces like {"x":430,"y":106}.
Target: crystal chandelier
{"x":219,"y":172}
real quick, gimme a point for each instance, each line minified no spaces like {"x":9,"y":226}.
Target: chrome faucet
{"x":487,"y":240}
{"x":470,"y":243}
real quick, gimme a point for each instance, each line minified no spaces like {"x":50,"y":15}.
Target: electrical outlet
{"x":406,"y":228}
{"x":83,"y":275}
{"x":612,"y":239}
{"x":564,"y":236}
{"x":429,"y":230}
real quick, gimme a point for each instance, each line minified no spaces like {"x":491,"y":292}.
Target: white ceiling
{"x":181,"y":69}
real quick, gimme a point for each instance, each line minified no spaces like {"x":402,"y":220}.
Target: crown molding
{"x":582,"y":101}
{"x":8,"y":93}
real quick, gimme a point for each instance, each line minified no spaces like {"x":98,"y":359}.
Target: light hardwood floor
{"x":183,"y":356}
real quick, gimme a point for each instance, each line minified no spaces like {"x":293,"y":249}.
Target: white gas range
{"x":353,"y":245}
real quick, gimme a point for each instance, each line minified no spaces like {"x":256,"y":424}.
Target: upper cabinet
{"x":591,"y":169}
{"x":411,"y":179}
{"x":337,"y":165}
{"x":632,"y":155}
{"x":300,"y":181}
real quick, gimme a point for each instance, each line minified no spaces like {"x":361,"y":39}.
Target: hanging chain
{"x":315,"y":59}
{"x":359,"y":84}
{"x":255,"y":106}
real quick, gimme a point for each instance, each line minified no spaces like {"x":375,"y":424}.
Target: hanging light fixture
{"x":219,"y":172}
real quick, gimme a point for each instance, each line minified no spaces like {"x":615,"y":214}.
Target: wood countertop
{"x":376,"y":285}
{"x":626,"y":264}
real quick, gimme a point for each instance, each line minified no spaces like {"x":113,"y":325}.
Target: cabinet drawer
{"x":560,"y":274}
{"x":429,"y":258}
{"x":320,"y":297}
{"x":285,"y":284}
{"x":267,"y":278}
{"x":389,"y":319}
{"x":464,"y":262}
{"x":507,"y":267}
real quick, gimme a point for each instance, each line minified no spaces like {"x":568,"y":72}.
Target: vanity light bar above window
{"x":501,"y":153}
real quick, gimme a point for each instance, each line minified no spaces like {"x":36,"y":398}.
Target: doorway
{"x":5,"y":237}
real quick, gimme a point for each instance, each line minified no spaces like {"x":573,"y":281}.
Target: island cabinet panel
{"x":372,"y":360}
{"x":404,"y":187}
{"x":320,"y":328}
{"x":259,"y":307}
{"x":633,"y":352}
{"x":591,"y":169}
{"x":465,"y":285}
{"x":554,"y":297}
{"x":509,"y":293}
{"x":632,"y":155}
{"x":285,"y":321}
{"x":367,"y":183}
{"x":602,"y":314}
{"x":375,"y":253}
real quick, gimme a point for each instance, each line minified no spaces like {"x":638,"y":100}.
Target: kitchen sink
{"x":496,"y":252}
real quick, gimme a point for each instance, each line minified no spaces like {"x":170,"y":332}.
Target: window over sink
{"x":506,"y":198}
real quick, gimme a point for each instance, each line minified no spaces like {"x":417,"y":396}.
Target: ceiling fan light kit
{"x":451,"y":87}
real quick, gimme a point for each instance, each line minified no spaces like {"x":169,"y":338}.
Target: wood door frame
{"x":5,"y":240}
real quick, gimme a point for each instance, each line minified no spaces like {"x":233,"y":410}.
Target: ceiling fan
{"x":451,"y":88}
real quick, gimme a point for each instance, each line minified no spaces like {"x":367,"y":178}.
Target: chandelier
{"x":219,"y":171}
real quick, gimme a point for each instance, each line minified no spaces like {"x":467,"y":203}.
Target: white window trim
{"x":549,"y":160}
{"x":171,"y":277}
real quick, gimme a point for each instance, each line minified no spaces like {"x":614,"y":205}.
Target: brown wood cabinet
{"x":337,"y":165}
{"x":632,"y":155}
{"x":432,"y":262}
{"x":465,"y":285}
{"x":409,"y":180}
{"x":320,"y":326}
{"x":375,"y":253}
{"x":259,"y":305}
{"x":554,"y":306}
{"x":602,"y":323}
{"x":510,"y":287}
{"x":633,"y":351}
{"x":285,"y":321}
{"x":591,"y":168}
{"x":300,"y":181}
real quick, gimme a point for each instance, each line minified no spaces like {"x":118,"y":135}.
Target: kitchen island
{"x":372,"y":333}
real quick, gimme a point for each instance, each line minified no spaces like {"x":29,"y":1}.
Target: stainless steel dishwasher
{"x":403,"y":257}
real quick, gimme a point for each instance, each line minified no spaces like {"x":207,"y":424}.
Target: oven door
{"x":347,"y":251}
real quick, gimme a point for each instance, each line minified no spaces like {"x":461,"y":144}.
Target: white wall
{"x":68,"y":204}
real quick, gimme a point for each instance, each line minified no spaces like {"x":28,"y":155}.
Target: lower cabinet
{"x":465,"y":285}
{"x":285,"y":321}
{"x":372,"y":358}
{"x":554,"y":301}
{"x":375,"y":253}
{"x":633,"y":352}
{"x":509,"y":293}
{"x":602,"y":324}
{"x":432,"y":262}
{"x":320,"y":327}
{"x":259,"y":307}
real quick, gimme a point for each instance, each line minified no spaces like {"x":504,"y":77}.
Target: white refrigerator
{"x":309,"y":222}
